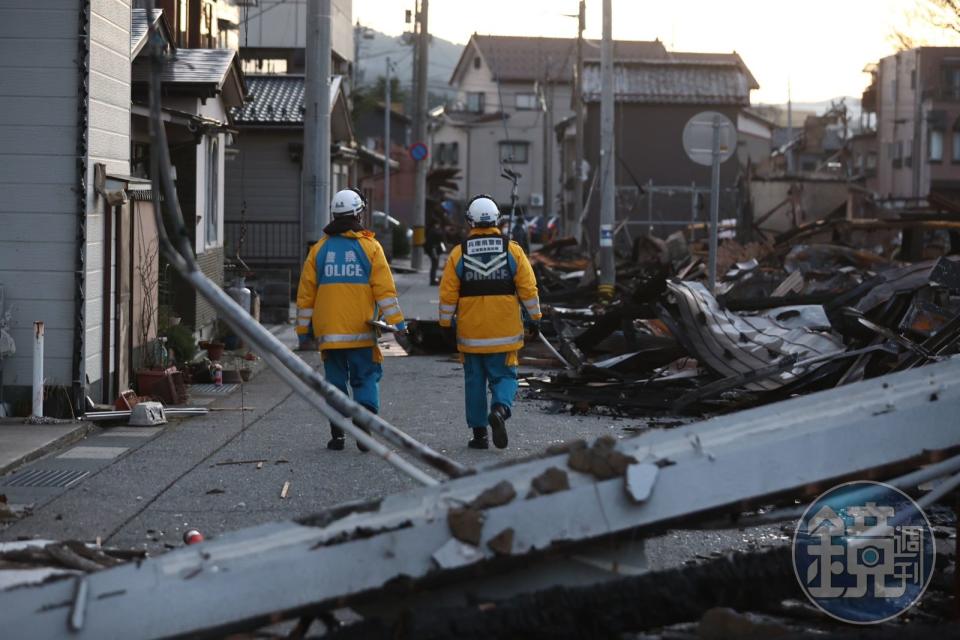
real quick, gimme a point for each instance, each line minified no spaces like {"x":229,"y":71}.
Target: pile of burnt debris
{"x":802,"y":312}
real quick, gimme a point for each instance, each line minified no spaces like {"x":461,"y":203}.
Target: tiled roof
{"x":139,"y":27}
{"x":192,"y":66}
{"x":518,"y":58}
{"x":277,"y":100}
{"x":672,"y":82}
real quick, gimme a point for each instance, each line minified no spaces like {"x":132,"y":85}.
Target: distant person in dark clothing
{"x":434,"y":247}
{"x":519,"y":234}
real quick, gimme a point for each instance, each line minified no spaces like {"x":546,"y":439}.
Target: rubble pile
{"x":807,"y":311}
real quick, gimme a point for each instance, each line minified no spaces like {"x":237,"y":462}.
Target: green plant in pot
{"x":181,"y":341}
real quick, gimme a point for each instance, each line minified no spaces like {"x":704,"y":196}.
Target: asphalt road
{"x":174,"y":479}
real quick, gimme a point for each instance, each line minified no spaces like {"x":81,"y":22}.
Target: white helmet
{"x":347,"y":202}
{"x":482,"y":211}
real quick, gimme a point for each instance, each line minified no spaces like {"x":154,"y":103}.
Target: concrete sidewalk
{"x":21,"y":443}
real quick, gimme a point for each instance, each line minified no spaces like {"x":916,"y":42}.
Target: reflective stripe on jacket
{"x":345,"y":283}
{"x":488,"y":318}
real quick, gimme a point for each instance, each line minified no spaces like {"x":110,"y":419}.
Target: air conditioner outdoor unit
{"x":536,"y":199}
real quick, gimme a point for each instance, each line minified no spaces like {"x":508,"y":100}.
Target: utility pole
{"x":608,"y":190}
{"x":546,"y":104}
{"x":578,"y":177}
{"x":388,"y":107}
{"x":316,"y":126}
{"x":420,"y":135}
{"x":714,"y":205}
{"x":789,"y":129}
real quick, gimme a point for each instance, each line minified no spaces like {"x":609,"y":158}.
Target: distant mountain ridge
{"x":441,"y":60}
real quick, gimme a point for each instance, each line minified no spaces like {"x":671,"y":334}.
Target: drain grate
{"x":61,"y":478}
{"x":211,"y":389}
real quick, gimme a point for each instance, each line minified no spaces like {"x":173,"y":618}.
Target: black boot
{"x":336,"y":439}
{"x":479,"y":440}
{"x":364,"y":448}
{"x":498,"y":425}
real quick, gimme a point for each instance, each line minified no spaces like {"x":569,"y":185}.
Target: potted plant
{"x":181,"y":342}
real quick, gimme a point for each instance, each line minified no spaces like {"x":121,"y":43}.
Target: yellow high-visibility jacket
{"x":485,"y":281}
{"x":345,"y":283}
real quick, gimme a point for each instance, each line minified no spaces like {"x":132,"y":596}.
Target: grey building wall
{"x":40,"y":137}
{"x":266,"y":175}
{"x":283,"y":25}
{"x":649,"y":143}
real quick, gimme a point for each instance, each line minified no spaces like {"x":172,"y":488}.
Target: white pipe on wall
{"x":38,"y":369}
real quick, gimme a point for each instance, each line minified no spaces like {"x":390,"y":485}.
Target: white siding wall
{"x":39,"y":46}
{"x":109,"y":144}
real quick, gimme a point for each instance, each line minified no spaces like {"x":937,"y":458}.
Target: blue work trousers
{"x":481,"y":370}
{"x":356,"y":368}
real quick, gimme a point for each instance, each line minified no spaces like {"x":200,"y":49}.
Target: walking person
{"x":434,"y":247}
{"x":345,"y":283}
{"x":490,"y":291}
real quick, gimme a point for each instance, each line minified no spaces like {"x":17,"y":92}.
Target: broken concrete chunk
{"x":602,"y":460}
{"x":640,"y":480}
{"x":466,"y":525}
{"x":497,"y":495}
{"x":502,"y":543}
{"x":551,"y":481}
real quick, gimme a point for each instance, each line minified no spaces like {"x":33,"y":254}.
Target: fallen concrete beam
{"x":569,"y":533}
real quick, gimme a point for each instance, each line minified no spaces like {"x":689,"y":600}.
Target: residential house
{"x":200,"y":88}
{"x":200,"y":24}
{"x":510,"y":91}
{"x":264,"y":224}
{"x":273,"y":37}
{"x":65,"y":131}
{"x":655,"y":98}
{"x":917,"y":102}
{"x":370,"y":132}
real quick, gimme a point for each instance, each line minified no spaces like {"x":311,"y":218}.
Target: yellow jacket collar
{"x":485,"y":231}
{"x":357,"y":234}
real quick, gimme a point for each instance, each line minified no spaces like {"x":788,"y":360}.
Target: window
{"x":526,"y":101}
{"x":213,"y":192}
{"x":440,"y":153}
{"x":935,"y":145}
{"x":183,"y":20}
{"x":951,"y":81}
{"x":453,"y":154}
{"x":872,"y":161}
{"x":514,"y":152}
{"x":475,"y":101}
{"x":476,"y":62}
{"x":955,"y":142}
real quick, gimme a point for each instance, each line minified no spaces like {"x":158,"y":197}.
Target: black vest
{"x":486,"y":267}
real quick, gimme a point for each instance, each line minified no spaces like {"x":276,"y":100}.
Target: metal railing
{"x":263,"y":240}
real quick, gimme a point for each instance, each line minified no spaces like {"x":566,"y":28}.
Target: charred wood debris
{"x":821,"y":306}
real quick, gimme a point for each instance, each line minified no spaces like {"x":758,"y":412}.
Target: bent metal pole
{"x":355,"y":419}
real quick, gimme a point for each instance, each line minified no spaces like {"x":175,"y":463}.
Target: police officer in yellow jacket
{"x":489,"y":286}
{"x":346,"y":283}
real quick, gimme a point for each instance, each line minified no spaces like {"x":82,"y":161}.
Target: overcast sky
{"x":821,"y":46}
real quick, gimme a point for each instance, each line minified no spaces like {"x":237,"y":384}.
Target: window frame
{"x":931,"y":133}
{"x":481,"y":101}
{"x":533,"y":101}
{"x":514,"y":144}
